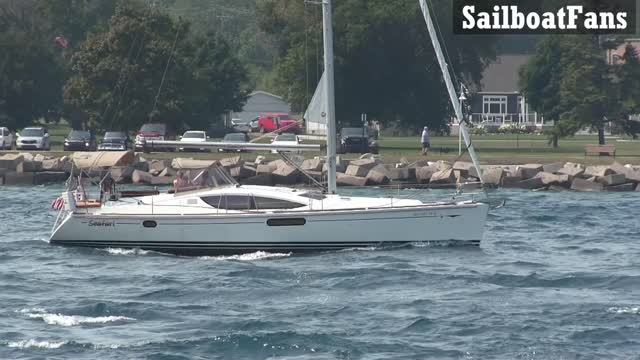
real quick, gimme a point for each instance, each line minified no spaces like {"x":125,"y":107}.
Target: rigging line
{"x":306,"y":56}
{"x":175,"y":42}
{"x":120,"y":77}
{"x":444,"y":44}
{"x":127,"y":80}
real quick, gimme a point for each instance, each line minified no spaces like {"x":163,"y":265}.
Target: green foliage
{"x":384,"y":61}
{"x":30,"y":79}
{"x":569,"y":81}
{"x":147,"y":67}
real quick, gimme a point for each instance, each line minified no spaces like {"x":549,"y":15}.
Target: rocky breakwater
{"x":29,"y":169}
{"x":368,"y":170}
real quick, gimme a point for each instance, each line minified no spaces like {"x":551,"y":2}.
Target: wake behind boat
{"x":219,"y":216}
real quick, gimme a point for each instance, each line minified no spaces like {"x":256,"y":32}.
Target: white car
{"x":36,"y":138}
{"x":6,"y":139}
{"x":194,"y":136}
{"x":286,"y":139}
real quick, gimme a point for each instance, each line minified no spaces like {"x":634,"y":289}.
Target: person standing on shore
{"x":426,"y":144}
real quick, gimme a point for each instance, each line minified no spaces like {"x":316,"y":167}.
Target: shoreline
{"x":368,"y":170}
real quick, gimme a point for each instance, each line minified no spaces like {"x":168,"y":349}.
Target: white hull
{"x":303,"y":231}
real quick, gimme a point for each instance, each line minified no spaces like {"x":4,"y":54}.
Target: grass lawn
{"x":492,"y":149}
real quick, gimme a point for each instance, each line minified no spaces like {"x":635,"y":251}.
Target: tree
{"x":146,"y":68}
{"x":384,"y":61}
{"x":570,"y":82}
{"x":30,"y":79}
{"x":219,"y":80}
{"x":627,"y":75}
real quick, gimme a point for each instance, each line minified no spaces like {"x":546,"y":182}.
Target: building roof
{"x":265,"y":93}
{"x":501,"y":76}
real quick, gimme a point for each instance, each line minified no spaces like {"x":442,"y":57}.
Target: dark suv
{"x":356,"y":140}
{"x":82,"y":140}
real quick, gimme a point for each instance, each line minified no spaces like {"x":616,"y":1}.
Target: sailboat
{"x":220,"y":217}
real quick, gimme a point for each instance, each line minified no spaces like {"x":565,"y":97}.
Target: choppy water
{"x":557,"y":277}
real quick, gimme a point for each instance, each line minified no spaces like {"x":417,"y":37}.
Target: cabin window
{"x":213,"y":201}
{"x":247,"y":202}
{"x":494,"y":105}
{"x":263,"y":203}
{"x":237,"y":202}
{"x":230,"y":202}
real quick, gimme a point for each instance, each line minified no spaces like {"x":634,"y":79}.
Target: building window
{"x":494,"y":105}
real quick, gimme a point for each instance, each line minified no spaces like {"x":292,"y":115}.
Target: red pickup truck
{"x":269,"y":122}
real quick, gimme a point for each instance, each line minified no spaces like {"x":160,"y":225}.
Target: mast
{"x":327,"y":32}
{"x":452,"y":91}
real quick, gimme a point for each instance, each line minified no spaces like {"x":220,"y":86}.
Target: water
{"x":557,"y":277}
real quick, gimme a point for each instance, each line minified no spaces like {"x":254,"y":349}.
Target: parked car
{"x":6,"y":139}
{"x":80,"y":140}
{"x":269,"y":122}
{"x":286,"y":139}
{"x":115,"y":140}
{"x":255,"y":124}
{"x":194,"y":136}
{"x":154,"y":131}
{"x":240,"y":125}
{"x":237,"y":138}
{"x":36,"y":138}
{"x":356,"y":140}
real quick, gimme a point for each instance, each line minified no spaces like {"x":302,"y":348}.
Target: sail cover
{"x":315,"y":122}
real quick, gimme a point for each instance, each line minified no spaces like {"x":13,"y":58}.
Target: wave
{"x":31,"y":343}
{"x":119,"y":251}
{"x":70,"y":320}
{"x":259,"y":255}
{"x":624,"y":310}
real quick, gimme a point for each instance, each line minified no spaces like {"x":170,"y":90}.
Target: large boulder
{"x":266,"y":168}
{"x":463,"y":168}
{"x":286,"y":174}
{"x":312,"y":165}
{"x":168,"y":172}
{"x":442,"y":165}
{"x":597,"y":171}
{"x":32,"y":166}
{"x":493,"y":176}
{"x":49,"y":177}
{"x":529,"y":171}
{"x":424,"y":174}
{"x":510,"y":181}
{"x":553,"y":168}
{"x":231,"y":162}
{"x":359,"y":171}
{"x":348,"y":180}
{"x":121,"y":174}
{"x":571,"y":169}
{"x":612,"y":180}
{"x":367,"y":163}
{"x":15,"y":178}
{"x":446,"y":176}
{"x":10,"y":161}
{"x":533,"y":183}
{"x":621,"y":188}
{"x":630,"y":173}
{"x":399,"y":174}
{"x":579,"y":184}
{"x":141,"y":177}
{"x":378,"y":176}
{"x":553,"y":179}
{"x":157,"y":166}
{"x":260,"y":159}
{"x":243,"y":171}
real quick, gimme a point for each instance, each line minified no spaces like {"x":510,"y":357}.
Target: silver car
{"x":35,"y":138}
{"x":6,"y":139}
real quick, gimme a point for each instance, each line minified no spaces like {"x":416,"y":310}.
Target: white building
{"x":261,"y":102}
